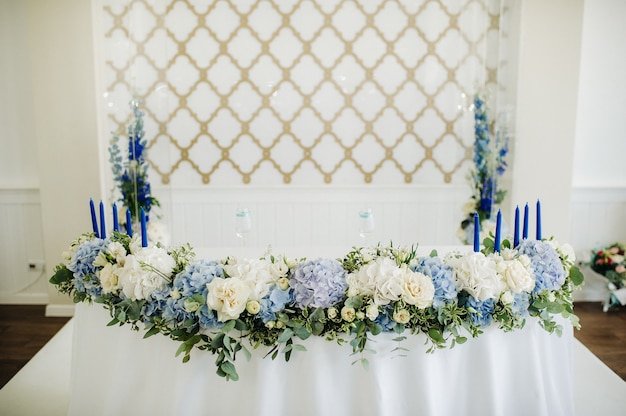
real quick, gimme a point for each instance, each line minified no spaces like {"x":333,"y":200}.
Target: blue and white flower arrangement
{"x":491,"y":146}
{"x":228,"y":306}
{"x":130,"y":172}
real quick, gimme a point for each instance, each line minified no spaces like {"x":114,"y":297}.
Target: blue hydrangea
{"x":545,"y":263}
{"x":318,"y":283}
{"x":484,"y":310}
{"x":190,"y":282}
{"x":385,"y":318}
{"x":443,"y":279}
{"x":521,"y":301}
{"x":85,"y":279}
{"x":273,"y":302}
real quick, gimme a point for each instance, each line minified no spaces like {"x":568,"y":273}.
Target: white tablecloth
{"x":117,"y":372}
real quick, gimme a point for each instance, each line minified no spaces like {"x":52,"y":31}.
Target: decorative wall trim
{"x":314,"y":216}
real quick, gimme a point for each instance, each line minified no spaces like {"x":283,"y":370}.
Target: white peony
{"x":477,"y":275}
{"x":368,"y":279}
{"x":418,"y":289}
{"x":228,"y":297}
{"x":143,"y":273}
{"x":389,"y":284}
{"x":516,"y":273}
{"x":117,"y":251}
{"x":256,"y":273}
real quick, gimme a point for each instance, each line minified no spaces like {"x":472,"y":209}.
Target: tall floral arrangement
{"x":610,"y":262}
{"x":491,"y":146}
{"x":130,"y":173}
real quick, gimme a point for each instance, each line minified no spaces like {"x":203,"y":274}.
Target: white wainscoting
{"x":21,"y":242}
{"x":598,"y":218}
{"x":314,"y":216}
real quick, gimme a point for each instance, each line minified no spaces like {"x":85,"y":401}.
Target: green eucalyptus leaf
{"x":285,"y":335}
{"x":435,"y":335}
{"x":152,"y":331}
{"x":230,"y":325}
{"x":62,"y":274}
{"x":577,"y":277}
{"x":229,"y":369}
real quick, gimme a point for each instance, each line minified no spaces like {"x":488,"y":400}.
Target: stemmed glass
{"x":243,"y":224}
{"x":366,"y":224}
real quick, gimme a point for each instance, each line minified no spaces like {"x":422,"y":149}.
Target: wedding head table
{"x":115,"y":371}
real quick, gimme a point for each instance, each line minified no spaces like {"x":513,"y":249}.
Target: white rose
{"x":617,"y":258}
{"x":507,"y":298}
{"x":191,"y":305}
{"x":418,"y":289}
{"x":402,"y":316}
{"x":477,"y":275}
{"x":270,"y":324}
{"x":348,"y":313}
{"x":283,"y":283}
{"x":109,"y":279}
{"x":228,"y":297}
{"x":332,"y":312}
{"x":516,"y":276}
{"x":372,"y":311}
{"x":256,"y":273}
{"x":253,"y":307}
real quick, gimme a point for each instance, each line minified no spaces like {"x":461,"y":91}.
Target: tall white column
{"x":547,"y":91}
{"x":65,"y":119}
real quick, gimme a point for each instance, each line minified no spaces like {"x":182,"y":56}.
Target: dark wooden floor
{"x":24,"y":330}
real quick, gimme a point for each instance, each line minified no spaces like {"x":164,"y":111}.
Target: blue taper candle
{"x":496,"y":242}
{"x":129,"y":224}
{"x":116,"y":223}
{"x":144,"y":231}
{"x":476,"y":233}
{"x":525,"y":230}
{"x":516,"y":232}
{"x":103,"y":230}
{"x":538,"y":220}
{"x":94,"y":221}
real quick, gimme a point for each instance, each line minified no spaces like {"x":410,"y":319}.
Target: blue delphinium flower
{"x":132,"y":177}
{"x":273,"y":302}
{"x":85,"y":279}
{"x":189,"y":292}
{"x":443,"y":279}
{"x":545,"y":263}
{"x":318,"y":283}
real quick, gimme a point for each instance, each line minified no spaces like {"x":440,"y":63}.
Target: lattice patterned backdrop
{"x":301,"y":92}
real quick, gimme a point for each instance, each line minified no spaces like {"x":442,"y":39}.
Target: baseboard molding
{"x":60,"y":309}
{"x":24,"y":299}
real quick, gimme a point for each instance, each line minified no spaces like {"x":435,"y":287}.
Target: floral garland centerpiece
{"x":489,"y":164}
{"x":130,"y":175}
{"x":226,"y":307}
{"x":610,"y":262}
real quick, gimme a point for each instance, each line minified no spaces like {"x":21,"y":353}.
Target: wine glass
{"x":243,"y":224}
{"x":366,"y":224}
